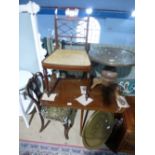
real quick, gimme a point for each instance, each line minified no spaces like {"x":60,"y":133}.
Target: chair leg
{"x":41,"y":118}
{"x":32,"y":115}
{"x":85,"y":118}
{"x":48,"y":122}
{"x":42,"y":122}
{"x":69,"y":123}
{"x":66,"y":130}
{"x":44,"y":126}
{"x":81,"y":121}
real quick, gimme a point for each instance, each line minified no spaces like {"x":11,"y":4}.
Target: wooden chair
{"x":35,"y":89}
{"x":72,"y":32}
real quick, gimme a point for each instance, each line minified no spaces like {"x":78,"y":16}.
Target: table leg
{"x":46,"y":80}
{"x":85,"y":118}
{"x":81,"y":121}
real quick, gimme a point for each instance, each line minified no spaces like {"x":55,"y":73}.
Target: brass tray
{"x":97,"y":130}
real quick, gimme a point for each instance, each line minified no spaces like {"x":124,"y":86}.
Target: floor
{"x":53,"y":133}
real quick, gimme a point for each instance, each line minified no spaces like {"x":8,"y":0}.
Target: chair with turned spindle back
{"x":35,"y":90}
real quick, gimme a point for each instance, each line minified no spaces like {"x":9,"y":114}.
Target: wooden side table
{"x":69,"y":89}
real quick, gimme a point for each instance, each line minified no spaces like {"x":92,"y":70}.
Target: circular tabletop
{"x":112,"y":56}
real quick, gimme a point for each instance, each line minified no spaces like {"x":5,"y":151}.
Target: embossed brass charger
{"x":97,"y":129}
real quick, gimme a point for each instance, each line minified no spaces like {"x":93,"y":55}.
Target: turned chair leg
{"x":32,"y":115}
{"x":43,"y":125}
{"x":66,"y":130}
{"x":42,"y":122}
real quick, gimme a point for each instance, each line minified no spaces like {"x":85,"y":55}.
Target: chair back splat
{"x":71,"y":31}
{"x":36,"y":87}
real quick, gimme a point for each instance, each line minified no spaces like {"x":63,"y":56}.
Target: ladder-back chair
{"x":72,"y":32}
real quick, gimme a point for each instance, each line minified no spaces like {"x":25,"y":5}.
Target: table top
{"x":69,"y":89}
{"x":65,"y":59}
{"x":113,"y":56}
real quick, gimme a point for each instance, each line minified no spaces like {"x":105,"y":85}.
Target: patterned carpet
{"x":38,"y":148}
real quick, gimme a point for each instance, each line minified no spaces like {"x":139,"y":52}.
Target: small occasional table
{"x":69,"y":89}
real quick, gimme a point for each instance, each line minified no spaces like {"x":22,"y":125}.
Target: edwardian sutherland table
{"x":69,"y":89}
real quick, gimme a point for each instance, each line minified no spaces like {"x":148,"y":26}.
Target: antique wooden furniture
{"x":66,"y":60}
{"x":69,"y":95}
{"x":70,"y":31}
{"x":73,"y":91}
{"x":122,"y":137}
{"x":35,"y":89}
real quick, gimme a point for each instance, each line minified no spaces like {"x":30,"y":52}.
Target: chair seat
{"x":59,"y":114}
{"x":66,"y":59}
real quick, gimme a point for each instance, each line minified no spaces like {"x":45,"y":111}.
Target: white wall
{"x":119,"y":32}
{"x":45,"y":24}
{"x":27,"y":51}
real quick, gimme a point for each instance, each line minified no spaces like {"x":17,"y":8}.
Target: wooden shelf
{"x":69,"y":89}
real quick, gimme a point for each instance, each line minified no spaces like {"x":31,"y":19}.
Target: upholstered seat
{"x":65,"y":58}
